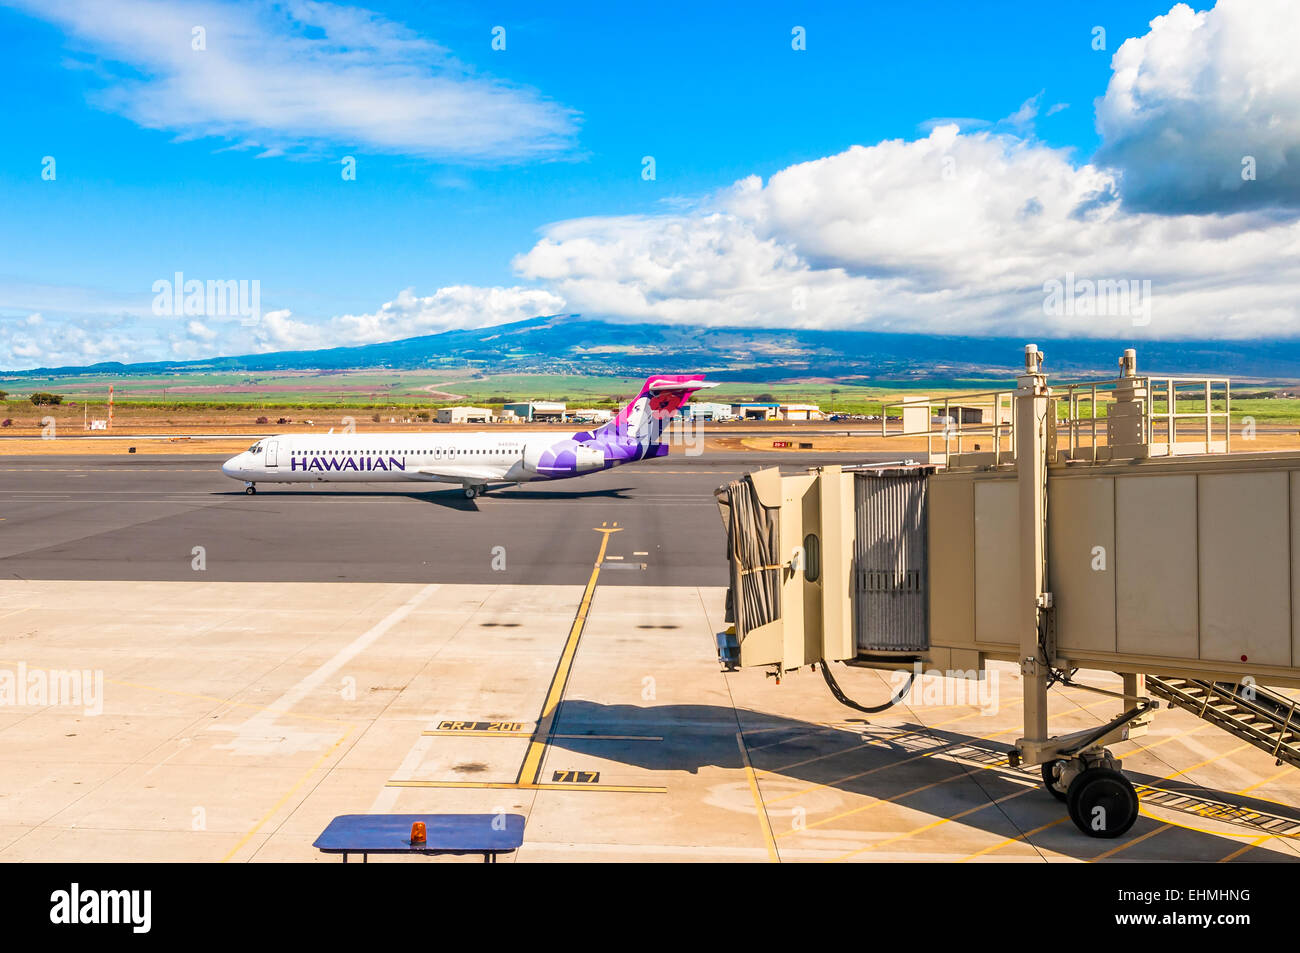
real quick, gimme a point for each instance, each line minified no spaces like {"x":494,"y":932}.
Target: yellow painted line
{"x":532,"y":766}
{"x":1026,"y":835}
{"x":1241,"y":850}
{"x":925,"y":754}
{"x":763,"y":823}
{"x":288,"y":794}
{"x":1166,"y":825}
{"x":933,"y":824}
{"x":878,"y":802}
{"x":875,"y":741}
{"x":1129,"y":843}
{"x":529,"y":786}
{"x":448,"y":733}
{"x":1011,"y":840}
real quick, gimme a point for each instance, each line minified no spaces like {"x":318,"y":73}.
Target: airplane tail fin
{"x":661,"y":396}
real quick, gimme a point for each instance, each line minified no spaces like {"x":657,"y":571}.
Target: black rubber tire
{"x":471,"y":492}
{"x":1052,"y":789}
{"x":250,"y":490}
{"x":1105,"y":791}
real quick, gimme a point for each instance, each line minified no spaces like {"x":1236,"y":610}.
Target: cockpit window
{"x":255,"y":448}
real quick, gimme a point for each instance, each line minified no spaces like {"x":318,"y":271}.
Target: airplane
{"x":473,"y":460}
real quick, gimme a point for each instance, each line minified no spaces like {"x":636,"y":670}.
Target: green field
{"x":382,"y":389}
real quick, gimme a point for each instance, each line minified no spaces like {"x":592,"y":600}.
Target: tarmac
{"x":359,"y":651}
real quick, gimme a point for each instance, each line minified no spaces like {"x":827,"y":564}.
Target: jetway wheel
{"x":1049,"y":780}
{"x":1102,"y":803}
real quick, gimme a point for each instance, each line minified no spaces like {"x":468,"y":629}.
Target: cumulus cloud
{"x":82,"y":334}
{"x":407,"y":315}
{"x":1202,"y":98}
{"x":280,"y":76}
{"x":953,"y":233}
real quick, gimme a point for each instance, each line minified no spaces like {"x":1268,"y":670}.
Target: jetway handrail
{"x":954,"y":429}
{"x":1154,"y":389}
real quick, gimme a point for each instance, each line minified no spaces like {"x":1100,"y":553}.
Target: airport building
{"x":756,"y":411}
{"x":540,"y":411}
{"x":464,"y":415}
{"x":801,"y":412}
{"x":706,"y":411}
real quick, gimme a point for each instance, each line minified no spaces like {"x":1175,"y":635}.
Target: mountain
{"x":559,"y":344}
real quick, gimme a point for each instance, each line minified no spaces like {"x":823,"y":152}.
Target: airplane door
{"x":273,"y":453}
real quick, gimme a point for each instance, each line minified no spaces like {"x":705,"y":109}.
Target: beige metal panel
{"x":997,"y":560}
{"x":1155,"y":566}
{"x":1081,"y":550}
{"x":952,"y":565}
{"x":836,"y":528}
{"x":1245,"y":548}
{"x":1294,"y":510}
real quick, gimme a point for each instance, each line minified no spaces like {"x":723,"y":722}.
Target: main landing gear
{"x":250,"y":488}
{"x":472,"y":491}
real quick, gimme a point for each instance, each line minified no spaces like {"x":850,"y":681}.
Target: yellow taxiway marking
{"x":1241,"y":850}
{"x":1060,"y":820}
{"x":966,"y":742}
{"x":531,"y":786}
{"x":287,"y":794}
{"x":1166,"y":825}
{"x":448,"y":733}
{"x":764,"y":824}
{"x":532,"y":766}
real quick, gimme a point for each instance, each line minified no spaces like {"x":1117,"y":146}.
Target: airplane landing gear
{"x":471,"y":491}
{"x":250,"y":489}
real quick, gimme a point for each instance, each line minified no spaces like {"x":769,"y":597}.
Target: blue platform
{"x":364,"y":834}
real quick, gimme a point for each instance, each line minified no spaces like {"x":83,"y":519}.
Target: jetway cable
{"x":867,"y":709}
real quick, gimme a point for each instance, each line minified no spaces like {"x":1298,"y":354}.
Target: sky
{"x":368,"y":173}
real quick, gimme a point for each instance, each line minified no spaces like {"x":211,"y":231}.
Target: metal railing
{"x":996,"y":420}
{"x":1159,"y":428}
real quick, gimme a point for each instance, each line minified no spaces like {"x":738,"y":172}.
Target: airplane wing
{"x":468,"y":475}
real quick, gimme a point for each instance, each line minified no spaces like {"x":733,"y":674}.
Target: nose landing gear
{"x":250,"y":489}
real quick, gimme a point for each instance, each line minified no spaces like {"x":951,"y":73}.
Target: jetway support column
{"x":1032,"y":433}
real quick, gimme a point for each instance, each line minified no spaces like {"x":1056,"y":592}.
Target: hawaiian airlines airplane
{"x":474,"y":459}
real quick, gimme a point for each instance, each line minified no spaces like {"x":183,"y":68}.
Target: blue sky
{"x":173,"y":159}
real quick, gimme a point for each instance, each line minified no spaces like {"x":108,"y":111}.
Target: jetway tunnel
{"x":1131,"y":541}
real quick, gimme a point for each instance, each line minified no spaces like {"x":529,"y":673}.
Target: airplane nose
{"x":230,"y":468}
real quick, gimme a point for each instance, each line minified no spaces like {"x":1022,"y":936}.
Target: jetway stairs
{"x":1264,"y":718}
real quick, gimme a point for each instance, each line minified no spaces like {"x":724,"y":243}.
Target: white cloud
{"x":278,"y":76}
{"x":952,"y":234}
{"x":83,"y":334}
{"x":1188,"y":101}
{"x":408,"y":315}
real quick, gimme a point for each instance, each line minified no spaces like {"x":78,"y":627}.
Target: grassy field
{"x":239,"y":399}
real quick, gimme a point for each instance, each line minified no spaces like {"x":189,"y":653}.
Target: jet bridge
{"x":1098,"y":525}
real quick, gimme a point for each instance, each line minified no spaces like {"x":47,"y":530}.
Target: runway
{"x":177,"y":518}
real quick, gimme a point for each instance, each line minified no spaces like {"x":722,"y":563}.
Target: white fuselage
{"x":387,"y":457}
